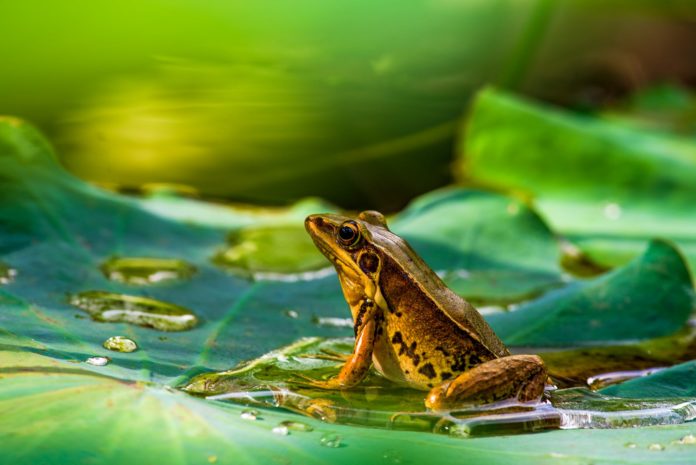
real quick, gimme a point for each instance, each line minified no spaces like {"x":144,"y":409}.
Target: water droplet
{"x":141,"y":311}
{"x":291,"y":314}
{"x":331,"y":440}
{"x":296,"y":426}
{"x":144,"y":270}
{"x":556,"y":455}
{"x":688,"y":439}
{"x":212,"y":459}
{"x":332,"y":322}
{"x":280,"y":430}
{"x":7,"y":274}
{"x":656,"y":446}
{"x":612,"y":211}
{"x":249,"y":414}
{"x":392,"y":456}
{"x":631,"y":445}
{"x":98,"y":361}
{"x":120,"y":344}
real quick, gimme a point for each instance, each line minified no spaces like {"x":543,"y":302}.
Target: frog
{"x":411,"y":327}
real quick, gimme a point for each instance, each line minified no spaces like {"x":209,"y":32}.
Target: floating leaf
{"x":607,"y":187}
{"x":649,"y":297}
{"x":487,"y":247}
{"x":55,"y":404}
{"x":676,"y":381}
{"x":57,"y":231}
{"x":664,"y":107}
{"x":574,"y":367}
{"x":276,"y":379}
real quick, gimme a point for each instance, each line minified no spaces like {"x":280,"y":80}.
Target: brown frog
{"x":411,"y":326}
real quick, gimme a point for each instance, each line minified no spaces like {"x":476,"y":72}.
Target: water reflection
{"x":274,"y":380}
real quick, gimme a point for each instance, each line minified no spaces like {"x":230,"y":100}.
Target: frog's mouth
{"x":328,"y":252}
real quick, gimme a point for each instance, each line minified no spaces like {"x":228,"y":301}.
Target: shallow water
{"x":278,"y":380}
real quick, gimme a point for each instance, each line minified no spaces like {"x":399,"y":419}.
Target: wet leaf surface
{"x":57,"y":232}
{"x":676,"y":381}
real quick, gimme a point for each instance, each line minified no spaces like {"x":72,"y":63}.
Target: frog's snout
{"x":313,"y":219}
{"x":318,"y":226}
{"x":313,"y":224}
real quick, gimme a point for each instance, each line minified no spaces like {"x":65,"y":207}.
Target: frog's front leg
{"x":516,"y":376}
{"x":358,"y":363}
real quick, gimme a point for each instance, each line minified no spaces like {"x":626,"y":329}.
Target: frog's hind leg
{"x":516,"y":376}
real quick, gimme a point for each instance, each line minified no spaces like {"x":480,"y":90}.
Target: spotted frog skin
{"x":410,"y":326}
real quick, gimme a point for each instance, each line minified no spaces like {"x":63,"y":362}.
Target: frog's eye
{"x":348,"y":233}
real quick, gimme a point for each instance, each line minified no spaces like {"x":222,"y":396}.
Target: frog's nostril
{"x":314,"y":220}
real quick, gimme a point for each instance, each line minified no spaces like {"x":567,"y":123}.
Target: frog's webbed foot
{"x":516,"y":376}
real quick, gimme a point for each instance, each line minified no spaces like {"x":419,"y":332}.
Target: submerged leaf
{"x":269,"y":252}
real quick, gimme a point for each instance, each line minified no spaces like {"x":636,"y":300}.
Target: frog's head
{"x":355,"y":246}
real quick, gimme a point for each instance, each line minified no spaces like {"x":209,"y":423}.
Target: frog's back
{"x":430,"y":334}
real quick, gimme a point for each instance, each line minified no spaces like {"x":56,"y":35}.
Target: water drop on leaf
{"x":141,"y":311}
{"x":249,"y":414}
{"x":331,"y":440}
{"x":296,"y":426}
{"x":120,"y":344}
{"x":280,"y":430}
{"x":98,"y":361}
{"x":7,"y":274}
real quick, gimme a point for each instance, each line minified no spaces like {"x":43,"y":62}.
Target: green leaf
{"x":649,"y":297}
{"x":487,"y":247}
{"x":663,"y":107}
{"x":606,"y":187}
{"x":676,"y":381}
{"x":54,"y":413}
{"x":58,"y":233}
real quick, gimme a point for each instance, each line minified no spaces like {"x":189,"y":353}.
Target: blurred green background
{"x":269,"y":101}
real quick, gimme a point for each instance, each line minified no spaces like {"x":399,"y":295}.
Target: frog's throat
{"x":357,"y":287}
